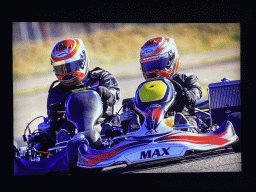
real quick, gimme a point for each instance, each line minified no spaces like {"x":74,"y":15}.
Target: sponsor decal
{"x":156,"y":153}
{"x":148,"y":51}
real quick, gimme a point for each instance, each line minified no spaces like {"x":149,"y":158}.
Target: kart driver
{"x":71,"y":66}
{"x":159,"y":58}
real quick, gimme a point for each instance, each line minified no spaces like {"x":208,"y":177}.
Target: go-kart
{"x":142,"y":132}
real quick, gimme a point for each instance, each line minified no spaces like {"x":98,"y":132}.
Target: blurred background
{"x":112,"y":43}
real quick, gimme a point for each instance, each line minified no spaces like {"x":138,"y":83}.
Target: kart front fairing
{"x":164,"y":143}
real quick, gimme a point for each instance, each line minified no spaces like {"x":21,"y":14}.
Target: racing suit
{"x":186,"y":98}
{"x":102,"y":81}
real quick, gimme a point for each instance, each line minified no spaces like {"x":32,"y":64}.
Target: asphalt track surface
{"x":223,"y":160}
{"x":28,"y":107}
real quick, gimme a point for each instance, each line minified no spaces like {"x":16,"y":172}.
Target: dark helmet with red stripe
{"x":159,"y":58}
{"x":70,"y":61}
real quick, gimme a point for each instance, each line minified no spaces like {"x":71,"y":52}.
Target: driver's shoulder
{"x":184,"y":76}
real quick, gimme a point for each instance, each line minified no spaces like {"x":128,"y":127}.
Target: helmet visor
{"x":150,"y":64}
{"x":67,"y":68}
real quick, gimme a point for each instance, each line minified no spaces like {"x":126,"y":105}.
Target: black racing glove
{"x":106,"y":96}
{"x":187,"y":96}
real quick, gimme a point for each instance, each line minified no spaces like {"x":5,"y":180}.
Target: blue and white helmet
{"x":159,"y":58}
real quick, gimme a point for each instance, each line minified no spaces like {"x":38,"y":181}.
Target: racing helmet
{"x":159,"y":58}
{"x":70,"y":61}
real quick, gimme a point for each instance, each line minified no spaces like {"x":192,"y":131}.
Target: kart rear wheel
{"x":235,"y":119}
